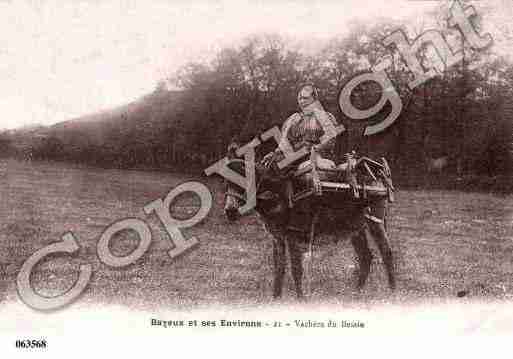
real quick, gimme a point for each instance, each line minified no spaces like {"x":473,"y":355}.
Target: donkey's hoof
{"x":392,"y":285}
{"x":301,"y":298}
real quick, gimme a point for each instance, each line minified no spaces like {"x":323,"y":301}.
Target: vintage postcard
{"x":313,"y":177}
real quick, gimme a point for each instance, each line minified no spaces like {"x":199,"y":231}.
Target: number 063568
{"x":31,"y":344}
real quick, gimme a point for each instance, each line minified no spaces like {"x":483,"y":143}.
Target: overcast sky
{"x":63,"y":59}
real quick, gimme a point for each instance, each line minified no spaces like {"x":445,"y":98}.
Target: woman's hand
{"x":271,"y":159}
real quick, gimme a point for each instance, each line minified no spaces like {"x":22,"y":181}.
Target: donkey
{"x":363,"y":219}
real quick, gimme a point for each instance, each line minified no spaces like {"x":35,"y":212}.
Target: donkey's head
{"x":234,"y":196}
{"x":269,"y":198}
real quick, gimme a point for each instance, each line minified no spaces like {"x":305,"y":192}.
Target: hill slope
{"x":118,"y":137}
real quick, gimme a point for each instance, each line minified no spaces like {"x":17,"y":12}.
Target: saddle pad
{"x":323,"y":166}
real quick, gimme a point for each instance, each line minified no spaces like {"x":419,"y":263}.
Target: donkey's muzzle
{"x":231,"y":213}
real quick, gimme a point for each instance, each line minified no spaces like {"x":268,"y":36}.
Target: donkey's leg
{"x":359,"y":240}
{"x":377,"y":223}
{"x":279,"y":260}
{"x":296,"y":264}
{"x":381,"y":238}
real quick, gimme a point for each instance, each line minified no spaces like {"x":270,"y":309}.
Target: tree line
{"x":465,"y":114}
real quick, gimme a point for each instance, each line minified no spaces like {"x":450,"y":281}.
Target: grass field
{"x":444,"y":242}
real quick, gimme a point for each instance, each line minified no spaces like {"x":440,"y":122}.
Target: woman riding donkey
{"x":311,"y":130}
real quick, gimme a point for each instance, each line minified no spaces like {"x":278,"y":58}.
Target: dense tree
{"x":465,"y":113}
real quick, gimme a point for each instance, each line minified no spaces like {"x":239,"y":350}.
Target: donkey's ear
{"x":232,"y":149}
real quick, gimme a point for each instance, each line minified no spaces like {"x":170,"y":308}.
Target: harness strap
{"x":234,"y":194}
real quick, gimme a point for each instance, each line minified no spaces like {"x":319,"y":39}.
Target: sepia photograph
{"x":189,"y":172}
